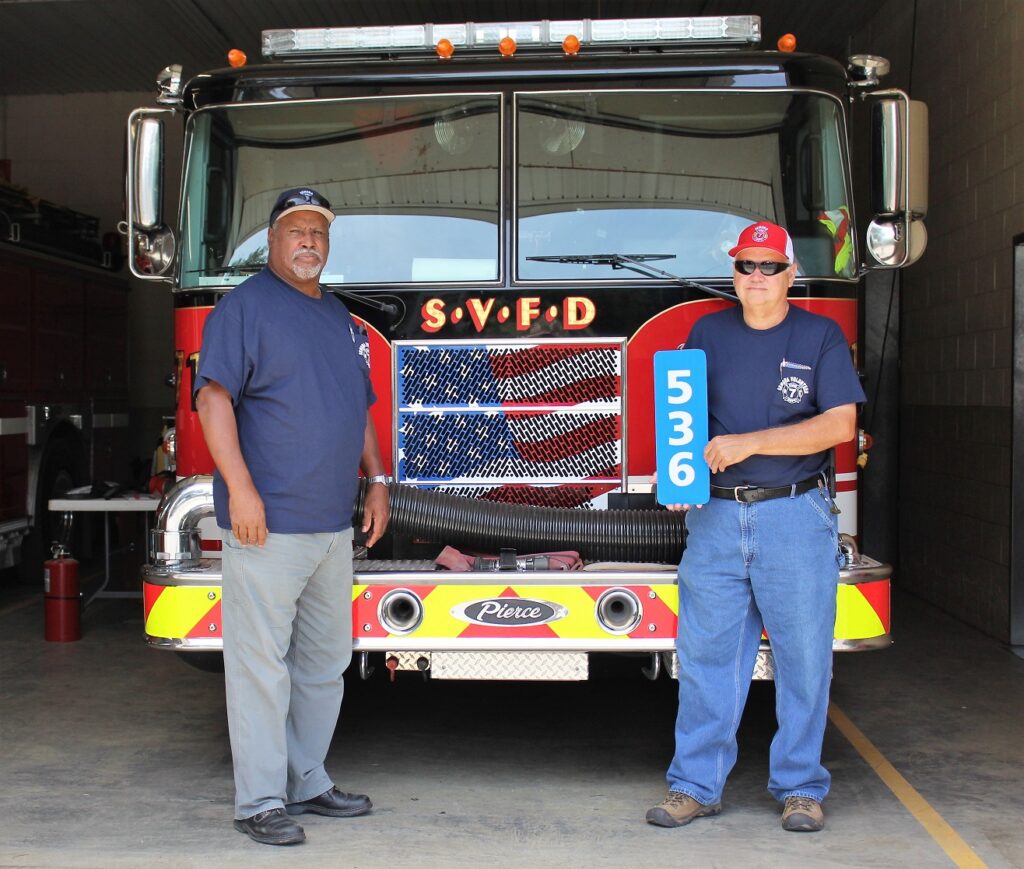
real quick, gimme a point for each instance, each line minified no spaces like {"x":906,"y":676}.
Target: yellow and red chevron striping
{"x":194,"y":612}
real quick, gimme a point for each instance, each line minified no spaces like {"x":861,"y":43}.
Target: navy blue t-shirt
{"x":297,"y":371}
{"x":765,"y":378}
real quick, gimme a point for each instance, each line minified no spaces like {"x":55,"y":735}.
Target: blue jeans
{"x":287,"y":625}
{"x":773,"y":564}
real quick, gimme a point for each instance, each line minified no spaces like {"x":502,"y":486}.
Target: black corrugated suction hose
{"x":602,"y":535}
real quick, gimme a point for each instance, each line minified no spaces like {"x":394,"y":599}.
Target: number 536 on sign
{"x":681,"y":426}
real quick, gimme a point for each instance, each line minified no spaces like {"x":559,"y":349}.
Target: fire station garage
{"x":531,"y":204}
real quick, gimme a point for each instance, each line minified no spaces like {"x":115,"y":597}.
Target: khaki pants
{"x":287,"y":625}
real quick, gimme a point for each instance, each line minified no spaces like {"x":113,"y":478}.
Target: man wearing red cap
{"x":763,"y":553}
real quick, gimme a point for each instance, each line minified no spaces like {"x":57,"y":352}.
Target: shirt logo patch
{"x":793,"y":389}
{"x":362,"y":344}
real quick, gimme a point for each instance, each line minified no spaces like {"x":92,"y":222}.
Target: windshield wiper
{"x":369,"y":301}
{"x":635,"y":262}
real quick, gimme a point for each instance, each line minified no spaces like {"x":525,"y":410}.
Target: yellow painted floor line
{"x":935,"y":825}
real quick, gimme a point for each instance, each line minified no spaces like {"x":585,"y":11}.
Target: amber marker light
{"x":787,"y":42}
{"x":507,"y":46}
{"x":444,"y":49}
{"x":236,"y":57}
{"x":571,"y":45}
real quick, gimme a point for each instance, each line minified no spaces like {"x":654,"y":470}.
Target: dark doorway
{"x":1017,"y":456}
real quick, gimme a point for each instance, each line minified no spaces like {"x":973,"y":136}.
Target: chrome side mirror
{"x":899,"y":179}
{"x":151,"y":243}
{"x":893,"y":244}
{"x":168,"y":84}
{"x":149,"y":172}
{"x":866,"y":69}
{"x":154,"y":252}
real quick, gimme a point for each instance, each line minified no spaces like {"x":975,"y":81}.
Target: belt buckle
{"x":736,"y":492}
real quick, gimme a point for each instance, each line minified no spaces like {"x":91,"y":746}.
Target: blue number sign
{"x":681,"y":426}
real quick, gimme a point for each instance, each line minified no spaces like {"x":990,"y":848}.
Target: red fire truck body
{"x":495,"y":218}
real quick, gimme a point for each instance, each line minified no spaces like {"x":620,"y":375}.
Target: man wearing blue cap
{"x":282,"y":392}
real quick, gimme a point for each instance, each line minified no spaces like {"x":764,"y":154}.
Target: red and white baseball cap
{"x":765,"y":236}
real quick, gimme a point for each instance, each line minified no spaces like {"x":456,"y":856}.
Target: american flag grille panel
{"x":482,"y":375}
{"x":493,"y":417}
{"x":494,"y":446}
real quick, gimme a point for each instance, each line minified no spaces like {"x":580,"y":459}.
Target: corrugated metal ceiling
{"x":71,"y":46}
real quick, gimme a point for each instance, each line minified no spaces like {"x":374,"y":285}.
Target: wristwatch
{"x":383,"y":479}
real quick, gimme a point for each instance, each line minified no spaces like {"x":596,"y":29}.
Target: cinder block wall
{"x":957,"y":313}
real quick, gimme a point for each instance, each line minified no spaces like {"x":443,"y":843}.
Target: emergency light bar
{"x":318,"y":42}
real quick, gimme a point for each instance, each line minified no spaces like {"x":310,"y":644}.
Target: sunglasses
{"x":749,"y":266}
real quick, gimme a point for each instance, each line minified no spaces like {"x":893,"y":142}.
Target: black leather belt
{"x":750,"y":494}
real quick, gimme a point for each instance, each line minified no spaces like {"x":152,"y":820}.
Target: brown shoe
{"x":677,"y":810}
{"x":802,"y":815}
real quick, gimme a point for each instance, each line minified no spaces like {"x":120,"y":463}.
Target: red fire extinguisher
{"x":63,"y":602}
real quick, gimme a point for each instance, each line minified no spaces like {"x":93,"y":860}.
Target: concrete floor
{"x":114,"y":755}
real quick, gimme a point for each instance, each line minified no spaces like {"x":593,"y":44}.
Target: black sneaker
{"x":272,"y":827}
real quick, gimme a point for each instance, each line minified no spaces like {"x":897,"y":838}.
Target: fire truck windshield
{"x":417,"y":182}
{"x":675,"y":172}
{"x":414,"y":182}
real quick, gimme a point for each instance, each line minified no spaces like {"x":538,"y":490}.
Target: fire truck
{"x":526,"y":213}
{"x":63,"y":367}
